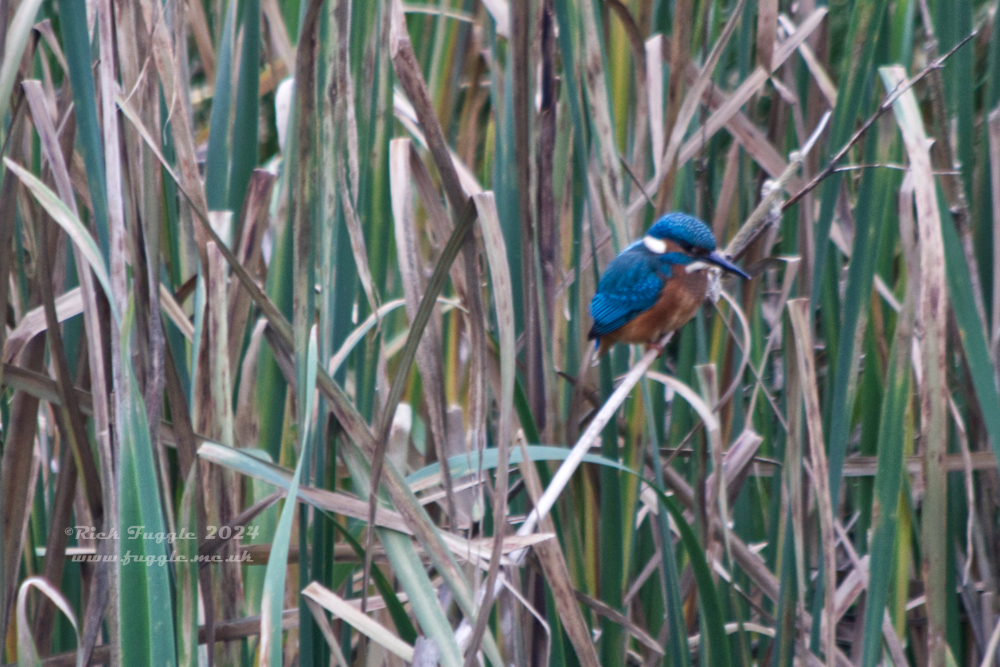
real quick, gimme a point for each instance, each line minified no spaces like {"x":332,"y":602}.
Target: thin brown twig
{"x":635,"y":179}
{"x":831,"y":166}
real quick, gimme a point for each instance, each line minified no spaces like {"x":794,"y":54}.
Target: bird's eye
{"x":685,"y":246}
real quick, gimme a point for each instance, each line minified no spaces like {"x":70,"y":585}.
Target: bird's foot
{"x":660,"y":344}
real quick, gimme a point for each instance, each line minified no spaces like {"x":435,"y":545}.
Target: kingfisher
{"x":656,"y":284}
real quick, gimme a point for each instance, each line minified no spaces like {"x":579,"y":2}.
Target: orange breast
{"x":679,"y":300}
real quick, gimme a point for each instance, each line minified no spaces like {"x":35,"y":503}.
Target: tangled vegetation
{"x":368,"y":290}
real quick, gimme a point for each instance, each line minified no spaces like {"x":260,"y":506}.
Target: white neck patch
{"x":654,"y":244}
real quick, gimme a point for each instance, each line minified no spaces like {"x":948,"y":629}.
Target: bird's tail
{"x":594,"y":354}
{"x":576,"y":398}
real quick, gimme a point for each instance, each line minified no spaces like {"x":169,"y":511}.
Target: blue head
{"x":687,"y":231}
{"x":688,"y":239}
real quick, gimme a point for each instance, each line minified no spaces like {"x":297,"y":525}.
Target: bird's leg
{"x":659,"y":344}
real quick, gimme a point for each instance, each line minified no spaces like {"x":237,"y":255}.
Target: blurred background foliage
{"x":368,"y":290}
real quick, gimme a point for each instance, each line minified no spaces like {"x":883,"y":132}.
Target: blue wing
{"x":630,"y":285}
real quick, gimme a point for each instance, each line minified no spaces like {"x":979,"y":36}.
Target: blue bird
{"x":656,"y":284}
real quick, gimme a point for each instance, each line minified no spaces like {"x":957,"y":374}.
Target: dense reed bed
{"x":368,"y":291}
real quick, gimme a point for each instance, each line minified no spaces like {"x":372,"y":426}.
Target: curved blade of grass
{"x":356,"y":336}
{"x":274,"y":577}
{"x":27,"y":654}
{"x":71,"y":224}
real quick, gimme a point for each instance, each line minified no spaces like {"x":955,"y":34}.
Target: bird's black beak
{"x":723,"y":263}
